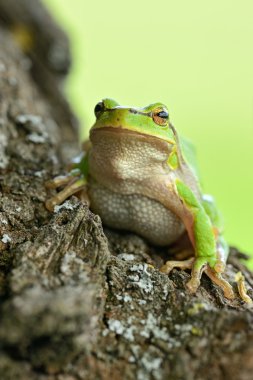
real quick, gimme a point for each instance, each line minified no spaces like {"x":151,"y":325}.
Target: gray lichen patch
{"x":141,"y":277}
{"x":127,"y":331}
{"x":6,"y":238}
{"x":66,"y":205}
{"x":126,"y":256}
{"x":38,"y":130}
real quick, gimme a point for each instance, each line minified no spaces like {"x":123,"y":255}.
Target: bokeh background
{"x":196,"y":57}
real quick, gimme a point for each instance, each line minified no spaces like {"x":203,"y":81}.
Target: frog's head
{"x":152,"y":120}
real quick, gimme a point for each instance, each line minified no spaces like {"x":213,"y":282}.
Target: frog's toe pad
{"x":193,"y":285}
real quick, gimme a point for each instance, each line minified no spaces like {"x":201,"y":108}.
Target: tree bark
{"x":77,"y":302}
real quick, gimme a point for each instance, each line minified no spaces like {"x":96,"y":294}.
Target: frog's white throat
{"x":127,"y":155}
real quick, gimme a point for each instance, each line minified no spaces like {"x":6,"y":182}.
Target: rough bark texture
{"x":75,"y":304}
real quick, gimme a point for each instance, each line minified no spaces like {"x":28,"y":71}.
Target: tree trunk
{"x":76,"y":303}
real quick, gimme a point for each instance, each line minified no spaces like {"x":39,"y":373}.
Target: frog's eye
{"x":99,"y":108}
{"x":161,"y":116}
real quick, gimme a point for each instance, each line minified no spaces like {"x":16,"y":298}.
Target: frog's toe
{"x":62,"y":180}
{"x":193,"y":284}
{"x":196,"y":273}
{"x":220,"y":266}
{"x":169,"y":265}
{"x":239,"y":278}
{"x":58,"y":181}
{"x":221,"y":282}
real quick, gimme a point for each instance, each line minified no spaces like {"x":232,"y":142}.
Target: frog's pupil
{"x":163,"y":114}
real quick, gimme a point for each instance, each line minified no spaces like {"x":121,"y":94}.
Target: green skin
{"x":199,"y":213}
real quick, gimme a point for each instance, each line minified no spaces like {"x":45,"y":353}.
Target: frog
{"x":139,"y":175}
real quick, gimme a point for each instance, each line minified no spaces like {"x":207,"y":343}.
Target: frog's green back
{"x":189,"y":154}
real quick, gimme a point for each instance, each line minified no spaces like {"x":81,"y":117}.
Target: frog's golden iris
{"x":160,"y":116}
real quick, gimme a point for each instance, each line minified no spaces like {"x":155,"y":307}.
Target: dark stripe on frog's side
{"x":132,"y":110}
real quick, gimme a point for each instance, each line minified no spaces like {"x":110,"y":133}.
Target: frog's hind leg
{"x":73,"y":186}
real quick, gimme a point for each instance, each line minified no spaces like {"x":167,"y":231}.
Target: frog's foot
{"x":198,"y":266}
{"x":239,"y":278}
{"x":217,"y":279}
{"x":194,"y":282}
{"x":73,"y":184}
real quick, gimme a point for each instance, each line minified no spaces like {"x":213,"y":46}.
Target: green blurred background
{"x":196,"y":57}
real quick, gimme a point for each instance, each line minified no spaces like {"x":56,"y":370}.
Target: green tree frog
{"x":139,"y":176}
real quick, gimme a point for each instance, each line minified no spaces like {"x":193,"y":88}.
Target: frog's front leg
{"x":75,"y":182}
{"x":210,"y":255}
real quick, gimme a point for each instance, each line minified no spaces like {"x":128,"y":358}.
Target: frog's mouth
{"x":123,"y":130}
{"x":118,"y":129}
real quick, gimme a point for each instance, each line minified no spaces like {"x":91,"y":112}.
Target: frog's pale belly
{"x":144,"y":216}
